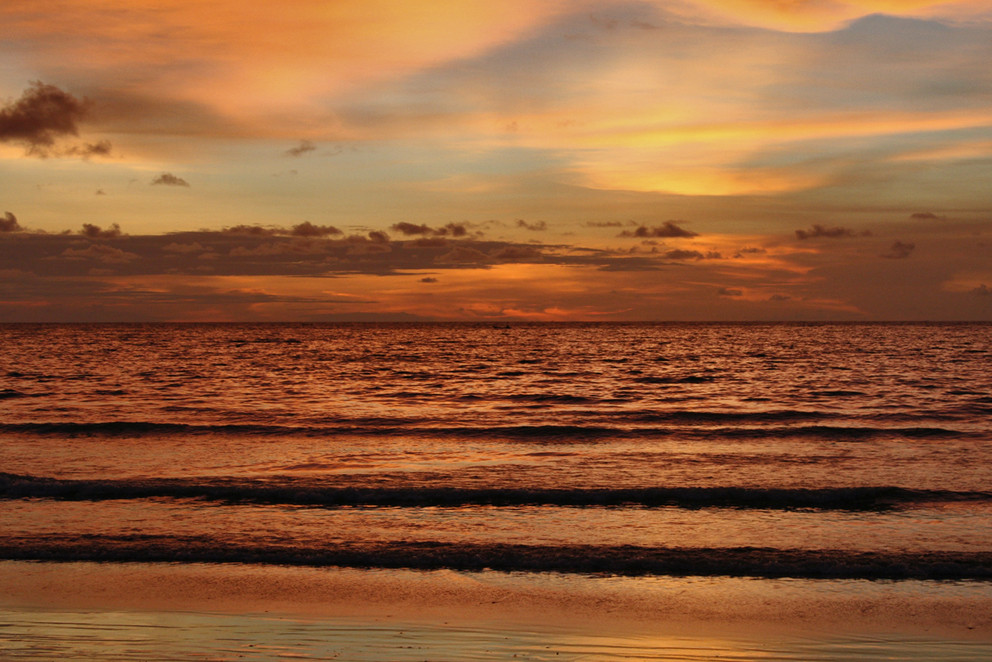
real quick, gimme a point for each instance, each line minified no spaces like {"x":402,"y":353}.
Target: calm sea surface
{"x":807,"y":451}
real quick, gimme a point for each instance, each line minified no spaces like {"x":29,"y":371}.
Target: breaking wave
{"x":582,"y":559}
{"x":687,"y":425}
{"x":14,"y":486}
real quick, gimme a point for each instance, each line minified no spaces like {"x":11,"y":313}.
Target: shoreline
{"x":366,"y":614}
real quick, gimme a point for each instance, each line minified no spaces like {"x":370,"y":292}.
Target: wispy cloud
{"x":305,"y":147}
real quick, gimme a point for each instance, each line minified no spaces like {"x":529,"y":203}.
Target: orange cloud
{"x":233,"y":55}
{"x":708,"y":159}
{"x":823,"y":15}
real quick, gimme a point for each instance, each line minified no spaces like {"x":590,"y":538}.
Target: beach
{"x":230,"y":612}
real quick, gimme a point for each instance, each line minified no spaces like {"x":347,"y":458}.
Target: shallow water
{"x":263,"y":613}
{"x":184,"y":636}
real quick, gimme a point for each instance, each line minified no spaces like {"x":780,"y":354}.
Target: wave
{"x":582,"y":559}
{"x":553,"y":398}
{"x":703,"y":416}
{"x":9,"y":394}
{"x":112,"y":428}
{"x":691,"y":425}
{"x":684,"y":379}
{"x":13,"y":486}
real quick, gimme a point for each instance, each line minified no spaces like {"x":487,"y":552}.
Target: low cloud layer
{"x":819,"y":231}
{"x":539,"y":226}
{"x":305,"y":249}
{"x":412,"y":229}
{"x":96,"y":232}
{"x":8,"y":223}
{"x":668,"y":229}
{"x":309,"y":271}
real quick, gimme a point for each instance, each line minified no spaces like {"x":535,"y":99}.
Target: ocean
{"x":581,"y":452}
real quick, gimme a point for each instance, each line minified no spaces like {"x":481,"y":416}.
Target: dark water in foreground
{"x":808,"y":451}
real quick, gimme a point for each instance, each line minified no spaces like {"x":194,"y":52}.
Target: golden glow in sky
{"x":686,"y":159}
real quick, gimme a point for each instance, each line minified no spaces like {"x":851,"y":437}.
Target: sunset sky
{"x":238,"y":160}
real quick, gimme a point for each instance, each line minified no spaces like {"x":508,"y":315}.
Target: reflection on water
{"x":947,"y":528}
{"x":127,"y":636}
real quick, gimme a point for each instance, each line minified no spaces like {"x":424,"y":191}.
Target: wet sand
{"x":160,"y":611}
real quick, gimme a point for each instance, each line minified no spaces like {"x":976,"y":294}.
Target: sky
{"x":541,"y":160}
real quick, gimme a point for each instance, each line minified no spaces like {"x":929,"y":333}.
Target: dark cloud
{"x":275,"y":248}
{"x":252,"y":250}
{"x":730,"y":292}
{"x":428,"y":279}
{"x":100,"y":191}
{"x":8,"y":223}
{"x":176,"y":247}
{"x":96,"y":232}
{"x":100,"y":253}
{"x":87,"y":150}
{"x":43,"y":114}
{"x":253,"y":230}
{"x":899,"y":250}
{"x":369,"y":249}
{"x":668,"y":229}
{"x":629,"y":264}
{"x":517,"y":253}
{"x":779,"y":297}
{"x":925,"y":216}
{"x":304,"y":147}
{"x":604,"y":224}
{"x":678,"y":254}
{"x":412,"y":229}
{"x":540,"y":226}
{"x":429,"y":241}
{"x":463,"y":255}
{"x":982,"y":290}
{"x":168,"y":179}
{"x":818,"y":231}
{"x":308,"y":229}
